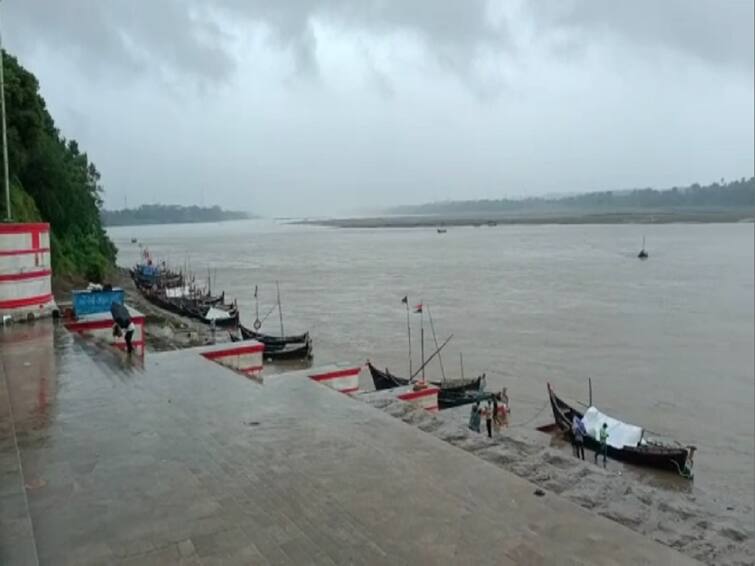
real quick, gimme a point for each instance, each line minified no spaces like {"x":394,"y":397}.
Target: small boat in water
{"x":453,"y":392}
{"x":643,"y":252}
{"x":269,"y":339}
{"x":442,"y":230}
{"x":626,"y":442}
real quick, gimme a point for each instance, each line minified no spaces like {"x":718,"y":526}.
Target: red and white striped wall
{"x":25,"y":288}
{"x":345,"y":380}
{"x":425,"y":397}
{"x":99,"y":326}
{"x":244,"y":357}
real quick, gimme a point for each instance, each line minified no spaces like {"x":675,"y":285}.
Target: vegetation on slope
{"x":53,"y":180}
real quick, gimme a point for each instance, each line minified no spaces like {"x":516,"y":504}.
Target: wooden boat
{"x":230,"y":320}
{"x":387,"y":380}
{"x":268,"y":339}
{"x":643,"y":252}
{"x":450,"y":399}
{"x":300,"y":351}
{"x":645,"y":453}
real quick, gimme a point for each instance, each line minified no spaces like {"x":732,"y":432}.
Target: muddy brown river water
{"x":668,"y":342}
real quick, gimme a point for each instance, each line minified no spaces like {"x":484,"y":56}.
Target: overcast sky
{"x":335,"y":106}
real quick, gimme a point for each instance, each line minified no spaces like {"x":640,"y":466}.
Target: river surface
{"x":667,"y":342}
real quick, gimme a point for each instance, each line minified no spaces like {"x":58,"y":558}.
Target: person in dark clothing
{"x":578,"y":437}
{"x":128,"y":336}
{"x":489,"y":419}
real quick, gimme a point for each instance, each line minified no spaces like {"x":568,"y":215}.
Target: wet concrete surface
{"x":178,"y":460}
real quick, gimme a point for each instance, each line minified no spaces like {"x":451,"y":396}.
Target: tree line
{"x":168,"y":214}
{"x":715,"y":196}
{"x":53,"y":180}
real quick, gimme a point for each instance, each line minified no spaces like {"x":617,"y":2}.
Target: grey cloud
{"x":129,"y":36}
{"x":185,"y":36}
{"x":718,"y":32}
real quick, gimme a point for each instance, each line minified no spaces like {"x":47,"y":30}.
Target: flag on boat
{"x":418,"y":308}
{"x":405,"y":300}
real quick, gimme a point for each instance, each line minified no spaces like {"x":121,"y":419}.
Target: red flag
{"x":418,"y":308}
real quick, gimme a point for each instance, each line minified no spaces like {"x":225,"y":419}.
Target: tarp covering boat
{"x":217,"y":314}
{"x":619,"y":434}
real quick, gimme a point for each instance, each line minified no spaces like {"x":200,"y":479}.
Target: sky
{"x":324,"y":107}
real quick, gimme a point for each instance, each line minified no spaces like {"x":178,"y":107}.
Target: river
{"x":667,"y":342}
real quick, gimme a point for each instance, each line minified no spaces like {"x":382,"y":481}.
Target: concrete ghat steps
{"x":183,"y":461}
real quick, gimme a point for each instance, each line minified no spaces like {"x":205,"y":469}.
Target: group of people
{"x":495,"y":413}
{"x":578,"y":433}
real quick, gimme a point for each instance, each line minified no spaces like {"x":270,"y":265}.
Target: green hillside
{"x":53,"y":180}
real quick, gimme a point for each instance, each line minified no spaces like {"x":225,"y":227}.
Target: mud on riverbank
{"x":705,"y":529}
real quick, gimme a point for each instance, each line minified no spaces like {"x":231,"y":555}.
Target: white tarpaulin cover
{"x":619,"y":434}
{"x":217,"y":314}
{"x":176,"y":292}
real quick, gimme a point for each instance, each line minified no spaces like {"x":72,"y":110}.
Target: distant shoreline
{"x":644,"y":217}
{"x":172,"y":222}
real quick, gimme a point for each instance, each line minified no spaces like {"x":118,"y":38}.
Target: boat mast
{"x":422,"y":336}
{"x":280,"y":310}
{"x":461,"y":364}
{"x":435,"y":339}
{"x":408,"y":333}
{"x":256,"y":306}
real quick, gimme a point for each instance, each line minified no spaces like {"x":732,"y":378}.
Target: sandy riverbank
{"x":485,"y":220}
{"x":711,"y":531}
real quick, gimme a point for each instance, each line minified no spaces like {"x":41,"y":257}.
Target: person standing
{"x":474,"y":417}
{"x":603,"y":438}
{"x":578,"y":436}
{"x":489,"y":419}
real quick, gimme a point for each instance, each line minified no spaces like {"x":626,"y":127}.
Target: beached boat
{"x":387,"y":380}
{"x":301,"y":351}
{"x":269,"y":339}
{"x":626,"y":442}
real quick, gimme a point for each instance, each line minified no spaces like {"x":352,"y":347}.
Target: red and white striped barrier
{"x":425,"y":397}
{"x":100,"y":327}
{"x":25,"y":289}
{"x":244,"y":357}
{"x":343,"y":380}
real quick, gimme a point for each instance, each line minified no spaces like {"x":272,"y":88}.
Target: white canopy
{"x":619,"y":434}
{"x":217,"y":314}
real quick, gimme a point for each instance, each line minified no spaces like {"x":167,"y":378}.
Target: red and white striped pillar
{"x":25,"y":287}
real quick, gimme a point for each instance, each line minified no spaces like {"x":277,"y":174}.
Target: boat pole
{"x":589,"y":384}
{"x":280,"y":310}
{"x":256,"y":306}
{"x":431,"y":357}
{"x":409,"y":334}
{"x":422,"y":337}
{"x":461,"y":364}
{"x":435,"y":340}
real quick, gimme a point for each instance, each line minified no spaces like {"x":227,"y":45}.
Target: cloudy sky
{"x":335,"y":106}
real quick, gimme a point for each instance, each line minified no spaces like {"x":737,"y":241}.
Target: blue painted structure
{"x":90,"y":302}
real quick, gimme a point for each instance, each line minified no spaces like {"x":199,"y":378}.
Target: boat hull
{"x":650,"y":455}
